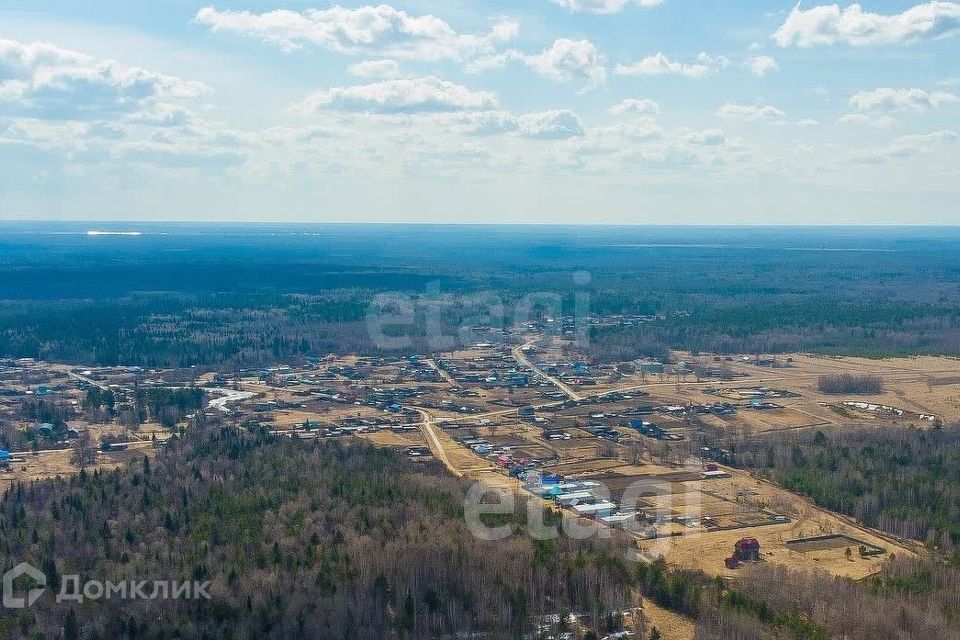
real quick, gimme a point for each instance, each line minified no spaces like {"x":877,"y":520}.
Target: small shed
{"x":714,"y":474}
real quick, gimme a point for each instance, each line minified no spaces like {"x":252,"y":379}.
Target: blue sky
{"x":565,"y":111}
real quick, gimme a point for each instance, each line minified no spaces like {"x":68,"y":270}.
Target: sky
{"x":529,"y":111}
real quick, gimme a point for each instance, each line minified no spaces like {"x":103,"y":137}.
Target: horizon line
{"x":487,"y":224}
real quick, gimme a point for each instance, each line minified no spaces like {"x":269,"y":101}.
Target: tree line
{"x":848,"y":383}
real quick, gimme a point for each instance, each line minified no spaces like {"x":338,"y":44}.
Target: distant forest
{"x":182,"y":296}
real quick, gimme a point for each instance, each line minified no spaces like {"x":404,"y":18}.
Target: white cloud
{"x":105,"y":131}
{"x":560,"y":124}
{"x":749,"y":112}
{"x":494,"y":61}
{"x":367,"y":30}
{"x":888,"y":100}
{"x":633,"y":105}
{"x":163,"y":114}
{"x":45,"y":81}
{"x":569,"y":60}
{"x":426,"y":157}
{"x":63,"y":136}
{"x":762,"y":65}
{"x":417,"y":95}
{"x":659,"y":64}
{"x":604,"y":6}
{"x":708,"y":138}
{"x":288,"y":135}
{"x":171,"y":156}
{"x":638,"y":129}
{"x":488,"y":123}
{"x":862,"y":119}
{"x":613,"y":137}
{"x":829,"y":24}
{"x":375,"y":69}
{"x":627,"y":145}
{"x":923,"y":141}
{"x":670,"y":159}
{"x":551,"y":125}
{"x":906,"y":146}
{"x":565,"y":61}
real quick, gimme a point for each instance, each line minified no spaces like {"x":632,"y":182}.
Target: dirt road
{"x":433,"y":441}
{"x":443,"y":374}
{"x":522,"y":359}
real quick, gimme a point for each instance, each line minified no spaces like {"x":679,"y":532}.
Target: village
{"x":637,"y":447}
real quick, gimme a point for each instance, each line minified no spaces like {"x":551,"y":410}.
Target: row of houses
{"x":606,"y":398}
{"x":418,"y":370}
{"x":493,"y":369}
{"x":511,"y":379}
{"x":582,"y":497}
{"x":517,"y":466}
{"x":604,"y":432}
{"x":653,"y":430}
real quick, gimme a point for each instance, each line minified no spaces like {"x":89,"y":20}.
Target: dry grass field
{"x":57,"y":463}
{"x":919,"y":385}
{"x":672,"y":626}
{"x":706,"y":551}
{"x":391,"y":439}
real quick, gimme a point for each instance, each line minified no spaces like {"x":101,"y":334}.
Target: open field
{"x":920,"y":385}
{"x":706,"y":550}
{"x":57,"y":463}
{"x":831,"y":542}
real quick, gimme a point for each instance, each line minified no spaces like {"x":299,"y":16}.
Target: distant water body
{"x":114,"y":233}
